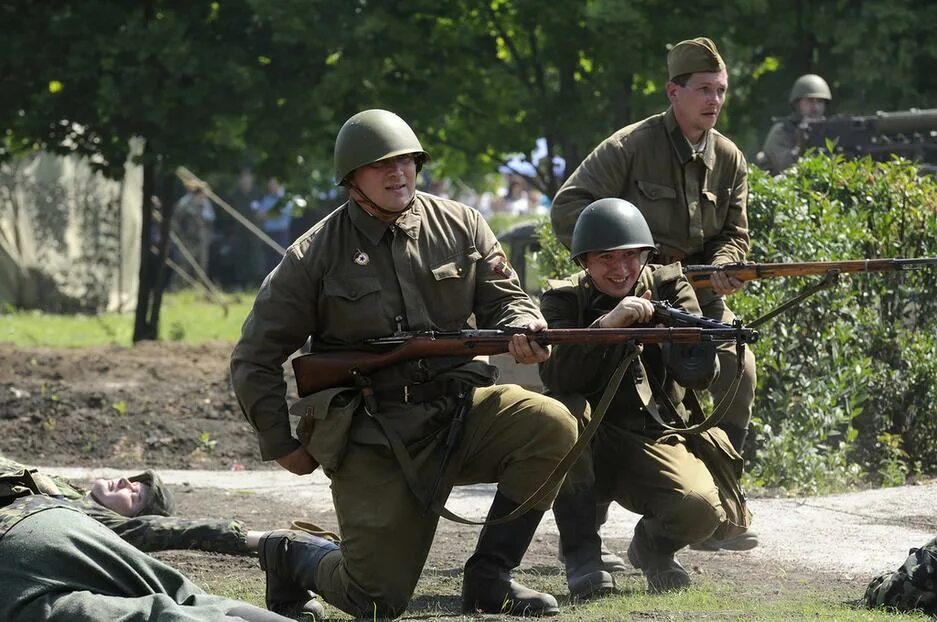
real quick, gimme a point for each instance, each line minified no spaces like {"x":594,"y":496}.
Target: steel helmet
{"x":810,"y":85}
{"x":610,"y":225}
{"x":373,"y":135}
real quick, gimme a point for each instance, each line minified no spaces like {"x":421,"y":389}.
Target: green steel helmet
{"x":610,"y":225}
{"x":373,"y":135}
{"x":160,"y":500}
{"x":810,"y":85}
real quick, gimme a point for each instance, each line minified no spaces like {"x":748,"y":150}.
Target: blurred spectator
{"x":236,"y":255}
{"x":193,"y":220}
{"x":274,"y":211}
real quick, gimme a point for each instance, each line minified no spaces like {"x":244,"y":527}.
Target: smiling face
{"x":696,"y":106}
{"x":120,"y":495}
{"x":615,"y":272}
{"x":390,"y":183}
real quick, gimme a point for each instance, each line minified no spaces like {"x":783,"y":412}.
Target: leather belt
{"x":416,"y":393}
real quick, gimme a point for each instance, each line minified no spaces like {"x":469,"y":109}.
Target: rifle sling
{"x":552,"y":480}
{"x":705,"y":423}
{"x":830,"y":279}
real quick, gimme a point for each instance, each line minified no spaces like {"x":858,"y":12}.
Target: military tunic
{"x":782,"y":145}
{"x":353,"y":277}
{"x":694,"y":203}
{"x":659,"y":479}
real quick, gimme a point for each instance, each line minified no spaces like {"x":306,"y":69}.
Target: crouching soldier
{"x":633,"y":460}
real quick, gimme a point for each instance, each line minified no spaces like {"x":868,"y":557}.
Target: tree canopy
{"x":212,"y":85}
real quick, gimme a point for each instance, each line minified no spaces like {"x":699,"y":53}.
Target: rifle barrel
{"x":701,"y":275}
{"x":322,"y":370}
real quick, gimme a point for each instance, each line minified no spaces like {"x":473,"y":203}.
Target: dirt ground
{"x":157,"y":404}
{"x":170,"y":406}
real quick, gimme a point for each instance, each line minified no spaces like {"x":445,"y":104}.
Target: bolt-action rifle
{"x":701,"y":275}
{"x":325,"y":369}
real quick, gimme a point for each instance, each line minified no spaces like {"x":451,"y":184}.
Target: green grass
{"x":437,"y":598}
{"x":185,"y":316}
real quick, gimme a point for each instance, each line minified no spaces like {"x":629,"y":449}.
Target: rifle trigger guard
{"x":367,"y":392}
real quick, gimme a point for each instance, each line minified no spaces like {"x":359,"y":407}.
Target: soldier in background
{"x":810,"y":97}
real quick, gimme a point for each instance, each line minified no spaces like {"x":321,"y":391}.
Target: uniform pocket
{"x":656,"y":192}
{"x":324,"y":423}
{"x":353,"y":303}
{"x":714,"y":210}
{"x":454,"y":291}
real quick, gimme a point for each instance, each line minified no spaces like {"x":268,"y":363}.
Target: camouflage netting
{"x":69,"y":237}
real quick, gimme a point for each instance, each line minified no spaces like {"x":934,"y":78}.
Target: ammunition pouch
{"x":713,"y":448}
{"x":324,"y":423}
{"x":692,"y":365}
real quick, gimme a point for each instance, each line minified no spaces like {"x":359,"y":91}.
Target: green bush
{"x":847,"y":382}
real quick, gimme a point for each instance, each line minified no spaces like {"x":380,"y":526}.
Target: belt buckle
{"x":406,"y":394}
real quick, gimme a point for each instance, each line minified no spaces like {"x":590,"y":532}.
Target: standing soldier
{"x":392,"y":259}
{"x":810,"y":97}
{"x":691,"y":184}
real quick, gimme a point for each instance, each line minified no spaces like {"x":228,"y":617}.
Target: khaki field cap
{"x":693,"y":55}
{"x":160,"y":501}
{"x":373,"y":135}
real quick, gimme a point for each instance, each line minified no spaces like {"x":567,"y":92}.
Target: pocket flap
{"x":351,"y":288}
{"x":317,"y":405}
{"x":456,"y":268}
{"x":656,"y":191}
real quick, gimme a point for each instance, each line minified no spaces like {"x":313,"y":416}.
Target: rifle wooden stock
{"x":322,"y":370}
{"x":701,"y":276}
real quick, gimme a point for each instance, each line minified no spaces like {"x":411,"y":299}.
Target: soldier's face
{"x":697,"y":105}
{"x":615,"y":272}
{"x":120,"y":495}
{"x":390,"y":183}
{"x":811,"y":107}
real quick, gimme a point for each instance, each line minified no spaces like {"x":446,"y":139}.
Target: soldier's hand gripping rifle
{"x":322,"y":370}
{"x":701,"y":275}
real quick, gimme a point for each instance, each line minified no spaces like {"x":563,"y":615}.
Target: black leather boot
{"x":290,"y":559}
{"x":487,"y":586}
{"x":610,"y":561}
{"x":653,"y":554}
{"x":580,"y":544}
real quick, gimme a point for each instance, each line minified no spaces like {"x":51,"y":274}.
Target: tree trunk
{"x":157,"y":212}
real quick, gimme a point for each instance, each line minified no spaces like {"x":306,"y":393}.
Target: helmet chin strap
{"x":370,"y":203}
{"x":643,"y":266}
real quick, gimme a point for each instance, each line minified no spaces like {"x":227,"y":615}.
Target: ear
{"x":671,"y":88}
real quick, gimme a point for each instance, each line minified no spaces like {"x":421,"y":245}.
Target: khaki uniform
{"x":694,"y":204}
{"x":782,"y":145}
{"x":660,"y":479}
{"x":352,"y":277}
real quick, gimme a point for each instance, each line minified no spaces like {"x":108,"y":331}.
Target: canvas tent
{"x":69,"y":237}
